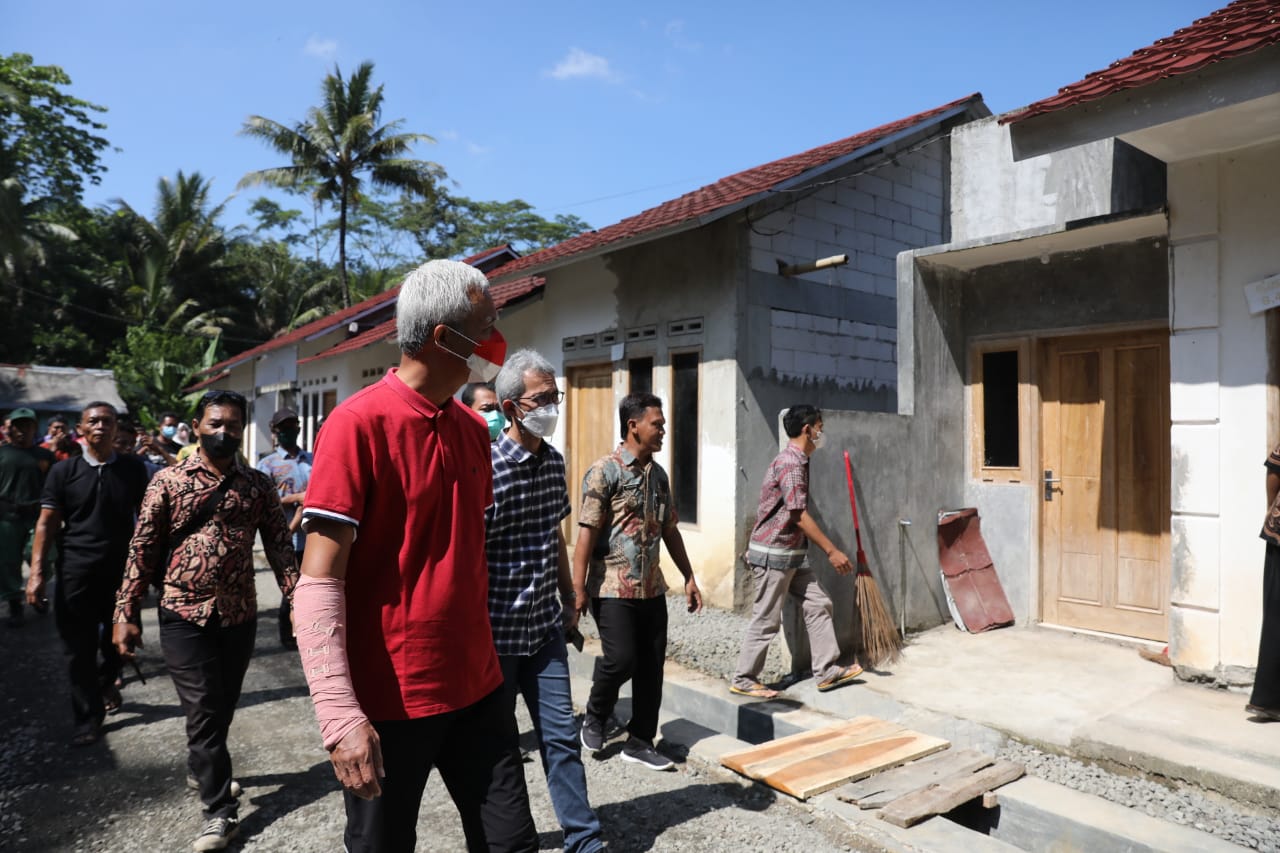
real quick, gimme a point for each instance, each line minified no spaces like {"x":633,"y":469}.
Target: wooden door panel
{"x":591,"y":430}
{"x":1105,"y":434}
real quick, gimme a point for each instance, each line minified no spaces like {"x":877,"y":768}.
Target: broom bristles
{"x":881,"y":642}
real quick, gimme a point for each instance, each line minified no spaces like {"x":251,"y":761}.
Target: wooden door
{"x":1105,"y":441}
{"x":592,"y":429}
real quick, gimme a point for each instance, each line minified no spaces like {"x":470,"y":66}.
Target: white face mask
{"x":818,"y":439}
{"x":542,"y":420}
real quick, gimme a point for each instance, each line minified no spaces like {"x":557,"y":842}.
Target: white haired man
{"x":393,"y":625}
{"x":529,"y":576}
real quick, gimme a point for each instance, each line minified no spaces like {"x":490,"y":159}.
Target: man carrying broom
{"x":779,"y":561}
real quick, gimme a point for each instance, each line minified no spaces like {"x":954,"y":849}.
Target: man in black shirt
{"x":89,"y":505}
{"x":23,"y":466}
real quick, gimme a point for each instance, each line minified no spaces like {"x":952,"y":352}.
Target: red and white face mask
{"x":486,"y":358}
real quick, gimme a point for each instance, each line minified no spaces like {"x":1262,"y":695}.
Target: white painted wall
{"x":991,"y":194}
{"x":1223,"y":211}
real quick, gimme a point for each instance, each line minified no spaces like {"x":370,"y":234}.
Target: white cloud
{"x":579,"y":63}
{"x":674,"y":31}
{"x":319,"y":47}
{"x":448,"y":135}
{"x":477,"y":150}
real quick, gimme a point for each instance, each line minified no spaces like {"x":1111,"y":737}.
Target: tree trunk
{"x":342,"y":248}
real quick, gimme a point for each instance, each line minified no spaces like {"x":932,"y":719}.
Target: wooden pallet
{"x":911,"y":793}
{"x":809,"y":763}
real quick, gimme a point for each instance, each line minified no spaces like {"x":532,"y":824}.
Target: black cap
{"x":282,"y":416}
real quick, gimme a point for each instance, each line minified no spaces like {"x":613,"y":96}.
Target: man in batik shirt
{"x":626,"y":514}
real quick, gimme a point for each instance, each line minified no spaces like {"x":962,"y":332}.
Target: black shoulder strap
{"x":206,"y":511}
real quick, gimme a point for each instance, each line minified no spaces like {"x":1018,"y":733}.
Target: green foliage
{"x":340,"y":144}
{"x":446,"y":226}
{"x":152,"y":368}
{"x":48,"y":139}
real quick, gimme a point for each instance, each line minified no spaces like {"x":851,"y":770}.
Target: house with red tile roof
{"x":772,"y":286}
{"x":1091,"y":358}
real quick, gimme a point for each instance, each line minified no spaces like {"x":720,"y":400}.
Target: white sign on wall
{"x":1263,"y":294}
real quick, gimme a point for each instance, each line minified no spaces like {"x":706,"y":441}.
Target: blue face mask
{"x":169,"y":431}
{"x":496,"y":421}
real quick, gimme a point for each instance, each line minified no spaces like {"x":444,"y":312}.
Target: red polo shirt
{"x":415,"y":479}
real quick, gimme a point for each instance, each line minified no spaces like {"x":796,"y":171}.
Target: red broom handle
{"x":853,"y":501}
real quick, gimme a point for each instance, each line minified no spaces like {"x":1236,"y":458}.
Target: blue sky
{"x":589,"y":108}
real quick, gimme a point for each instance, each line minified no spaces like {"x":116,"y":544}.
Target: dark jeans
{"x":207,"y":664}
{"x":633,"y":637}
{"x":83,"y":607}
{"x":474,"y":750}
{"x":1266,"y":681}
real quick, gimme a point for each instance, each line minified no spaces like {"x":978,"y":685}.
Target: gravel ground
{"x":708,"y":642}
{"x":127,"y":793}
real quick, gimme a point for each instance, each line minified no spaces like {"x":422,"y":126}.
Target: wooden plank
{"x":949,"y":793}
{"x":759,"y":761}
{"x":820,"y":773}
{"x":883,"y":788}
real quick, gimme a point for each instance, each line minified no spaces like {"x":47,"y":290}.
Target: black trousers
{"x":1266,"y":682}
{"x":633,"y":638}
{"x":83,"y":608}
{"x":474,"y":749}
{"x":207,"y":664}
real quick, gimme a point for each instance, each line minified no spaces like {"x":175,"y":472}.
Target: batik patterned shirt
{"x":211,"y":569}
{"x":629,"y":502}
{"x":1271,"y":526}
{"x":522,"y":545}
{"x":776,"y":541}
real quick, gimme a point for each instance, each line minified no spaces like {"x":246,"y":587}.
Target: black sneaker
{"x":217,"y":834}
{"x":641,"y":752}
{"x":592,"y":733}
{"x":614,"y":728}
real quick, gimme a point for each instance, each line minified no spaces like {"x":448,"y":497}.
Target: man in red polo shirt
{"x":392,"y":611}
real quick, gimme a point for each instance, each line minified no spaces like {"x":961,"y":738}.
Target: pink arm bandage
{"x":320,"y":617}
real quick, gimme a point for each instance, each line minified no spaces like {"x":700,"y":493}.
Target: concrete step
{"x":700,"y":715}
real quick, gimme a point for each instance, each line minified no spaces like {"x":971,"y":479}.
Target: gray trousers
{"x":772,"y":586}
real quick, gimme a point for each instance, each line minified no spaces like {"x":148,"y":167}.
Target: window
{"x":641,"y":372}
{"x":1000,"y":400}
{"x":684,"y":435}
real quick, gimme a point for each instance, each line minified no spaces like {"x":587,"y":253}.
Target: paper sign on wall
{"x":1263,"y":294}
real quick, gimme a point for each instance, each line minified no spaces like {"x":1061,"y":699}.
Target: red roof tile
{"x":200,"y":386}
{"x":316,"y":327}
{"x":1234,"y":30}
{"x":502,"y":294}
{"x":728,"y":191}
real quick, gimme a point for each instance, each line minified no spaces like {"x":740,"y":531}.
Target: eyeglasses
{"x":546,"y":398}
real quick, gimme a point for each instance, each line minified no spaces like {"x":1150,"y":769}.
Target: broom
{"x":881,"y":642}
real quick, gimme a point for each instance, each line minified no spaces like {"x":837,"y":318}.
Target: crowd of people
{"x":425,"y":574}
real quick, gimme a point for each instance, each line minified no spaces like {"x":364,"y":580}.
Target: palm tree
{"x":340,"y":141}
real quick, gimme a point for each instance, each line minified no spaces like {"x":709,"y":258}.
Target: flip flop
{"x":755,"y":691}
{"x":111,"y":699}
{"x":848,"y":674}
{"x":86,"y":734}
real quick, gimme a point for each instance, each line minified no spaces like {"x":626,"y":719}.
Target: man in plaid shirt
{"x":778,"y":556}
{"x":528,"y":578}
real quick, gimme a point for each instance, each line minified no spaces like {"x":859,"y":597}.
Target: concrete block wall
{"x":871,"y":217}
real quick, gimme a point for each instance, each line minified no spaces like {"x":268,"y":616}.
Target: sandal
{"x":755,"y":691}
{"x":87,"y":734}
{"x":849,"y":673}
{"x":111,"y":699}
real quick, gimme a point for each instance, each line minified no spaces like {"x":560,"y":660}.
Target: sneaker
{"x":1269,"y":714}
{"x":194,"y":784}
{"x":640,"y":752}
{"x":613,"y":728}
{"x":592,"y":733}
{"x":217,"y":834}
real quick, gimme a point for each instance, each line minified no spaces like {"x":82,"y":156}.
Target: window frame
{"x":978,"y":469}
{"x":674,"y":425}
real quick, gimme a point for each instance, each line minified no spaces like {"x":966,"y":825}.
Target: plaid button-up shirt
{"x":522,"y":545}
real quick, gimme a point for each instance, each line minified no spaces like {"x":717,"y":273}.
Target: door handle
{"x":1049,"y":481}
